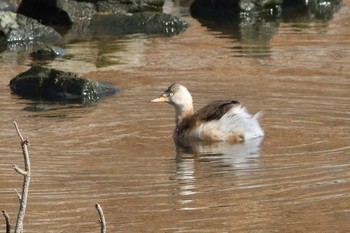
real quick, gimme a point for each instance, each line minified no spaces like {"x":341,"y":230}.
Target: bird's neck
{"x":183,"y":111}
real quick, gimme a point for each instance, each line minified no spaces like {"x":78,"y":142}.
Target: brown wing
{"x":215,"y":110}
{"x":212,"y":111}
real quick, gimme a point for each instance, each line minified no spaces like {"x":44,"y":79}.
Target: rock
{"x":43,"y":83}
{"x":72,"y":11}
{"x":107,"y":16}
{"x":259,"y":5}
{"x":214,"y":9}
{"x":8,"y":5}
{"x":16,"y":29}
{"x":77,"y":12}
{"x":147,"y":22}
{"x":130,"y":6}
{"x":57,"y":12}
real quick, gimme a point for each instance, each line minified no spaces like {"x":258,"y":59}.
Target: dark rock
{"x":107,"y":16}
{"x":214,"y":9}
{"x":147,"y":22}
{"x":43,"y":83}
{"x":259,"y":5}
{"x":16,"y":29}
{"x":56,"y":12}
{"x":65,"y":12}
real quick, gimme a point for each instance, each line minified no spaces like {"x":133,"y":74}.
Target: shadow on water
{"x":57,"y":110}
{"x":253,"y":31}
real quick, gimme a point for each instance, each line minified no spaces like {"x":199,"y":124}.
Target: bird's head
{"x":176,"y":95}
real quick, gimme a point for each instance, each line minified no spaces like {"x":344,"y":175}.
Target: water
{"x":119,"y":152}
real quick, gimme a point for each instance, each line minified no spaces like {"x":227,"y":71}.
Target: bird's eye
{"x":171,"y":94}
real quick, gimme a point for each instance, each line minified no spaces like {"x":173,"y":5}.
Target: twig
{"x":102,"y":219}
{"x":18,"y":195}
{"x":26,"y":181}
{"x":19,"y":170}
{"x":18,"y":132}
{"x":7,"y":219}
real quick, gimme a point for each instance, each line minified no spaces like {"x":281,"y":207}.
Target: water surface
{"x":119,"y":152}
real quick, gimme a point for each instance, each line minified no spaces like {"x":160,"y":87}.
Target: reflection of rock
{"x":309,"y":10}
{"x":321,"y":9}
{"x":252,"y":23}
{"x":44,"y":83}
{"x":254,"y":30}
{"x":16,"y":29}
{"x":225,"y":8}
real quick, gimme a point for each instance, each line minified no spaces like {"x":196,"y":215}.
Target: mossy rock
{"x":50,"y":84}
{"x":15,"y":28}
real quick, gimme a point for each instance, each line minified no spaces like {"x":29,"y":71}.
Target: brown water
{"x":120,"y":153}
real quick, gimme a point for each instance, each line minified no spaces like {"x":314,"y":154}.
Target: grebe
{"x":223,"y":120}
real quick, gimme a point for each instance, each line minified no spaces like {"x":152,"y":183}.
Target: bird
{"x":222,"y":120}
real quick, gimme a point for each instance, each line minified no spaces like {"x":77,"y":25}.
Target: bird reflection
{"x":218,"y":158}
{"x":235,"y":155}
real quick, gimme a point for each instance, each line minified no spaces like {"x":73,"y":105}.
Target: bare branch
{"x":7,"y":219}
{"x":26,"y":181}
{"x":102,"y":219}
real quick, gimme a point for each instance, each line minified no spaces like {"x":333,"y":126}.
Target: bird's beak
{"x":161,"y":99}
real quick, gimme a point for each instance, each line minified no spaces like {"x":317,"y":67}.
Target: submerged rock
{"x":37,"y":108}
{"x":147,"y":22}
{"x":16,"y":29}
{"x":44,"y":83}
{"x":48,"y":53}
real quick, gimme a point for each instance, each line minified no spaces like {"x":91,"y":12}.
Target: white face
{"x":177,"y":95}
{"x":180,"y":96}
